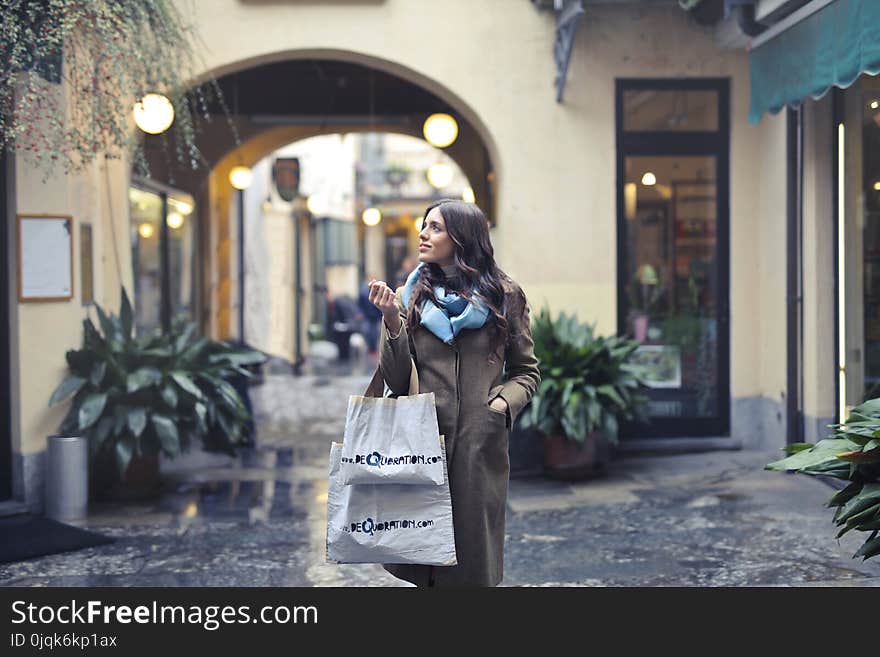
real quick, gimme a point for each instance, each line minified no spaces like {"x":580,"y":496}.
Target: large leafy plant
{"x":155,"y":393}
{"x":852,"y":453}
{"x":587,"y":381}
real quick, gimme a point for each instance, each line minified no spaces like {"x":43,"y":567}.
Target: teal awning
{"x":831,"y":47}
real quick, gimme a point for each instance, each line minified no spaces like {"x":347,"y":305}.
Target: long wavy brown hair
{"x":475,"y":261}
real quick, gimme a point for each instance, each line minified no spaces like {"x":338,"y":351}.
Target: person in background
{"x":372,"y":316}
{"x":343,"y":319}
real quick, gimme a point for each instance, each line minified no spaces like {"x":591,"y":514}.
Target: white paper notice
{"x":45,"y":258}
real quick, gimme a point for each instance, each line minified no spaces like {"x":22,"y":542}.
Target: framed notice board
{"x":45,"y":257}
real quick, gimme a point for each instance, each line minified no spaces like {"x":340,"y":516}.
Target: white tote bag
{"x":389,"y":523}
{"x":392,"y":440}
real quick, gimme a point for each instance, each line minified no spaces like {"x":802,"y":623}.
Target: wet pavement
{"x":710,"y":519}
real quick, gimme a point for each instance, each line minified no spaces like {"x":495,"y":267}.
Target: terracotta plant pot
{"x":568,"y":459}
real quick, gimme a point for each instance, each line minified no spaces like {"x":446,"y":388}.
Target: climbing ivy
{"x":71,"y":71}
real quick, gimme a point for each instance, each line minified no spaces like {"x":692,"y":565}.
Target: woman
{"x":463,"y":322}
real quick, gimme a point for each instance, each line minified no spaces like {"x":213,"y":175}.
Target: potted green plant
{"x":852,"y":454}
{"x":136,"y":397}
{"x":588,"y":385}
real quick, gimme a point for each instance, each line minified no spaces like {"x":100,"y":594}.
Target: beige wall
{"x":46,"y":330}
{"x":765,"y":365}
{"x":769,"y":280}
{"x":819,"y":374}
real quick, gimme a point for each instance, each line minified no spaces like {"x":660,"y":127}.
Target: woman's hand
{"x":382,"y":297}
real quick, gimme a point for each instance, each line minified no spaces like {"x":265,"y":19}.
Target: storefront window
{"x":670,"y":110}
{"x":146,"y":217}
{"x":181,"y":242}
{"x":672,"y":260}
{"x":672,"y":291}
{"x":146,"y":210}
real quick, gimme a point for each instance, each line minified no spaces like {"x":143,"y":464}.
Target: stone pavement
{"x":709,"y":519}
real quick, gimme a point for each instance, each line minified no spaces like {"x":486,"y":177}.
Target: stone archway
{"x":475,"y":151}
{"x":406,"y":74}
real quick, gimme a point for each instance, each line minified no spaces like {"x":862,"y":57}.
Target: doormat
{"x":27,"y":536}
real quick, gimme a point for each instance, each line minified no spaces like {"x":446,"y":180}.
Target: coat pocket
{"x":493,"y":393}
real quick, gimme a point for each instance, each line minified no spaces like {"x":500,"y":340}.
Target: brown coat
{"x":464,"y":378}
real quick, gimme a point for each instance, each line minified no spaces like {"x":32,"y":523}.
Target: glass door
{"x":672,"y":252}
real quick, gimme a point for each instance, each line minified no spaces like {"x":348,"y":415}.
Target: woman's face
{"x":435,"y":244}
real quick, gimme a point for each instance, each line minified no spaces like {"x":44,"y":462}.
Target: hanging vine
{"x":73,"y":69}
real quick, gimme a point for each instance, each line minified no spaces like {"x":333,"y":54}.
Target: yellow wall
{"x":819,"y":157}
{"x":46,"y":330}
{"x":768,"y":281}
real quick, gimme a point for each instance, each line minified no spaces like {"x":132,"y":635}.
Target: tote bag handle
{"x":377,"y":383}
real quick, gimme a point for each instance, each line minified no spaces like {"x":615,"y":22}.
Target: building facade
{"x":643,"y":200}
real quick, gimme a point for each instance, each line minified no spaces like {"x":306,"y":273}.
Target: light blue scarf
{"x":452,"y":316}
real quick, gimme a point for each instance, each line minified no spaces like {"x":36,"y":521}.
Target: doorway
{"x":673,"y":242}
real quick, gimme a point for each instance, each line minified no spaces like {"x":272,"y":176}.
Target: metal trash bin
{"x":67,"y":477}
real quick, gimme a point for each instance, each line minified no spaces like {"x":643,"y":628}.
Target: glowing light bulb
{"x":154,"y":113}
{"x":183,"y":207}
{"x":371,"y":216}
{"x":440,"y":130}
{"x":315,"y":204}
{"x":241,"y":177}
{"x":440,"y":175}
